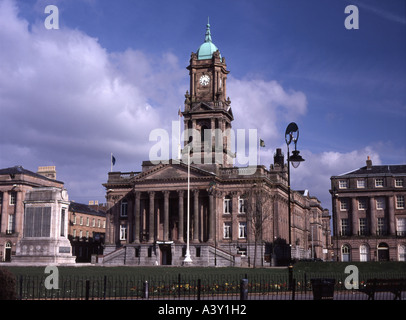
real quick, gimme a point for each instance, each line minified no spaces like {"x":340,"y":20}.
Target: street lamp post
{"x":292,"y":134}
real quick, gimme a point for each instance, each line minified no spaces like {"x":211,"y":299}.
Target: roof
{"x":377,"y":170}
{"x":84,"y":208}
{"x":207,"y":49}
{"x":20,"y":170}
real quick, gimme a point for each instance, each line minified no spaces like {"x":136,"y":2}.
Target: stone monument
{"x":45,"y":232}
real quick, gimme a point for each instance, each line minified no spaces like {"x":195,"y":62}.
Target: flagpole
{"x":179,"y":145}
{"x":259,"y":152}
{"x":188,"y":259}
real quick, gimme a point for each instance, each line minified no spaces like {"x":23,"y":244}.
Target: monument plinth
{"x":45,"y":233}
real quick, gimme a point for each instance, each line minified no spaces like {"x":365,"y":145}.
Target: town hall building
{"x":201,"y":206}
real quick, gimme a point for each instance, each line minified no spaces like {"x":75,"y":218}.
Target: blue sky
{"x":115,"y":70}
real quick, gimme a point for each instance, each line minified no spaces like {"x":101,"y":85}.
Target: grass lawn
{"x":381,"y":268}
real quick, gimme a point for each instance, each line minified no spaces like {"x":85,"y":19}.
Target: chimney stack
{"x":47,"y":171}
{"x":369,"y":163}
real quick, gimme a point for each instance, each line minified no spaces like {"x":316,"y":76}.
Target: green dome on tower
{"x":207,"y":49}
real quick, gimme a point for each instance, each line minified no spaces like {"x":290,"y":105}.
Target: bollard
{"x":145,"y":290}
{"x":244,"y":289}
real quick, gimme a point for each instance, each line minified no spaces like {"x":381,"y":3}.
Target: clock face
{"x":204,"y":80}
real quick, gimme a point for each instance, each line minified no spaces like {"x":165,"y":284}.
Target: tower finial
{"x":208,"y":34}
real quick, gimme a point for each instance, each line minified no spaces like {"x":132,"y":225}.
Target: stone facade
{"x":238,"y":216}
{"x":369,"y":213}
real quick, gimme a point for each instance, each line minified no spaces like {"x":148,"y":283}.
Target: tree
{"x":259,"y":211}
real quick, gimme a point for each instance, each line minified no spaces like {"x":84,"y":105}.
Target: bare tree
{"x":259,"y":211}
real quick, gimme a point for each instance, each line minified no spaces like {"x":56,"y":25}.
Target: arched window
{"x":364,"y":252}
{"x":345,"y":253}
{"x":7,"y":252}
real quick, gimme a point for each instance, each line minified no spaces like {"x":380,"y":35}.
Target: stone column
{"x":196,"y":216}
{"x":166,"y":215}
{"x":137,"y":207}
{"x":4,"y":206}
{"x":181,"y":216}
{"x":130,"y":213}
{"x":151,"y":236}
{"x":211,"y":220}
{"x":354,"y":208}
{"x":372,"y":215}
{"x":391,"y":215}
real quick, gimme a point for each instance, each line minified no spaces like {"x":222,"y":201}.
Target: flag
{"x":113,"y":160}
{"x":261,"y":143}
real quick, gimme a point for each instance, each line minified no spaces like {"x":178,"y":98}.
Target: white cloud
{"x":264,"y":105}
{"x":65,"y":100}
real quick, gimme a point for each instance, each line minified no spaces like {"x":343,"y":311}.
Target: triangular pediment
{"x":172,"y":171}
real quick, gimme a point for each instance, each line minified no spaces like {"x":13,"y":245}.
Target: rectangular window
{"x":81,"y":221}
{"x":379,"y":182}
{"x":13,"y":198}
{"x":380,"y":203}
{"x":123,"y":208}
{"x":227,"y":205}
{"x":361,"y":183}
{"x":87,"y":221}
{"x":123,"y":232}
{"x":381,"y":226}
{"x":344,"y":227}
{"x":98,"y":223}
{"x":242,"y":230}
{"x":401,"y":227}
{"x":344,"y":204}
{"x":362,"y":204}
{"x":362,"y":226}
{"x":343,"y":184}
{"x":74,"y":219}
{"x":241,"y":205}
{"x":398,"y":183}
{"x":10,"y":226}
{"x":74,"y":233}
{"x":400,"y":202}
{"x":227,"y":230}
{"x":93,"y":222}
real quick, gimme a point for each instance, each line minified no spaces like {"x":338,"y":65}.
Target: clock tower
{"x":207,"y":107}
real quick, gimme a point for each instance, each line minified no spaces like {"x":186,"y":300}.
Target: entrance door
{"x":7,"y":253}
{"x":166,"y":254}
{"x":383,"y":252}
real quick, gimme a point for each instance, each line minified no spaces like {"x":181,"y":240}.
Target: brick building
{"x":86,"y":230}
{"x":238,"y":216}
{"x":369,"y":213}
